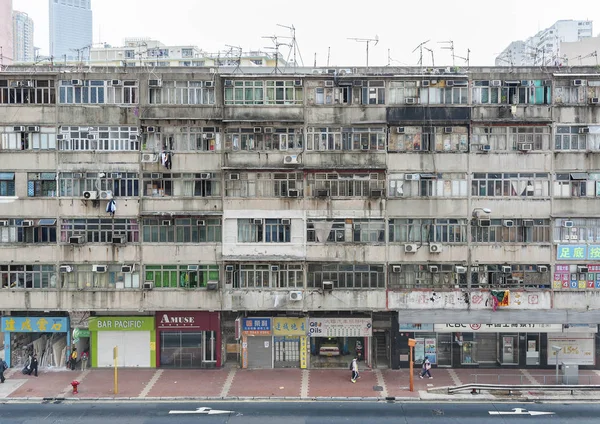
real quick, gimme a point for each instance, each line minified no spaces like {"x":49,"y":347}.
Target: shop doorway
{"x":260,"y":352}
{"x":381,"y":349}
{"x":180,"y":349}
{"x":287,"y":351}
{"x":444,"y":350}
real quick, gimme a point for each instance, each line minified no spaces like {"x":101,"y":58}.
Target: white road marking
{"x":520,"y":411}
{"x":202,"y":410}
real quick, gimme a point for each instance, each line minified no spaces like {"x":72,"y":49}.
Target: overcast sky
{"x":485,"y":27}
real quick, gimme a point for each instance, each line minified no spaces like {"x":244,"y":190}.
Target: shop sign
{"x":340,"y":327}
{"x":256,"y":326}
{"x":580,"y":328}
{"x":564,"y":279}
{"x":186,"y":319}
{"x":122,"y":324}
{"x":12,"y":324}
{"x":498,"y":328}
{"x":289,"y":326}
{"x":578,"y":252}
{"x":574,"y":350}
{"x":416,"y":327}
{"x":303,"y":354}
{"x":80,"y":332}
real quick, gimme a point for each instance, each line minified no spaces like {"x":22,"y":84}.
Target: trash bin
{"x":570,"y":373}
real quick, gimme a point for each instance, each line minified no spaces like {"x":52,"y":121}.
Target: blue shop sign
{"x":256,"y":326}
{"x":12,"y":324}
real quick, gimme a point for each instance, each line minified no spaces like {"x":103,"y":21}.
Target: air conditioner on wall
{"x":396,"y":268}
{"x":293,"y":193}
{"x":99,"y":268}
{"x":433,"y":269}
{"x":412,"y":176}
{"x":27,"y":223}
{"x":485,"y":147}
{"x":460,"y":269}
{"x":119,"y":239}
{"x":508,"y":223}
{"x":567,"y":224}
{"x":506,"y":269}
{"x":65,"y":269}
{"x":19,"y":129}
{"x":209,"y":84}
{"x":128,"y":269}
{"x":155,"y":83}
{"x":76,"y":240}
{"x":582,"y":269}
{"x":212,"y":285}
{"x":410,"y":248}
{"x":290,"y":160}
{"x":148,"y":285}
{"x":484,"y":222}
{"x":400,"y":130}
{"x":435,"y":247}
{"x":149,"y":157}
{"x":594,"y":100}
{"x":295,"y":296}
{"x":525,"y":147}
{"x":542,"y":268}
{"x":33,"y":128}
{"x":106,"y":195}
{"x":327,"y":285}
{"x":376,"y":193}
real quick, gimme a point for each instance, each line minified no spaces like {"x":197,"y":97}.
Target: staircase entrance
{"x":381,"y":349}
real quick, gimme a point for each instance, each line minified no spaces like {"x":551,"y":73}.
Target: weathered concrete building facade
{"x":395,"y":201}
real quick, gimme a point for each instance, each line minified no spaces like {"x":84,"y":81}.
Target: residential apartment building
{"x":23,"y":37}
{"x":6,"y":34}
{"x":296,"y":219}
{"x":543,"y":49}
{"x":70,"y":29}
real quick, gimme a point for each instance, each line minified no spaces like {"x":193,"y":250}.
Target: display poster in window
{"x":574,"y":350}
{"x":419,"y":351}
{"x":431,"y":350}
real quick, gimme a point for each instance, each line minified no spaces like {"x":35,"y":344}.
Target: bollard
{"x":75,"y":383}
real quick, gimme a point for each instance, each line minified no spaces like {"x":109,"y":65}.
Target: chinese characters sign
{"x":565,"y":279}
{"x":577,"y":252}
{"x":498,"y":328}
{"x":340,"y":327}
{"x":289,"y":326}
{"x":256,"y":326}
{"x":12,"y":324}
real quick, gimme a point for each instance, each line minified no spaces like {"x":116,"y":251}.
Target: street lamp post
{"x":556,"y":349}
{"x":474,"y":215}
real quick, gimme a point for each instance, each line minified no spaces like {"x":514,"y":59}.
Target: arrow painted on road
{"x":202,"y":410}
{"x":520,"y":411}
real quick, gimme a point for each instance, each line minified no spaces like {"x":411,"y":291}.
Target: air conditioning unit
{"x":60,"y":137}
{"x":119,"y":239}
{"x":295,"y":296}
{"x":229,"y":268}
{"x":290,"y":160}
{"x":286,"y":221}
{"x":148,"y":285}
{"x":33,"y":129}
{"x":447,"y":130}
{"x":582,"y":269}
{"x":76,"y":82}
{"x":116,"y":82}
{"x":449,"y":83}
{"x":484,"y":222}
{"x":166,"y":223}
{"x":200,"y":223}
{"x":508,"y":223}
{"x":19,"y":129}
{"x":76,"y":240}
{"x":274,"y":268}
{"x":65,"y":269}
{"x":106,"y":195}
{"x":329,"y":83}
{"x":528,"y":223}
{"x":594,"y":100}
{"x":495,"y":83}
{"x":92,"y":137}
{"x":155,"y":83}
{"x":400,"y":130}
{"x":433,"y":269}
{"x":460,"y":269}
{"x":128,"y":269}
{"x":193,"y":267}
{"x":268,"y":130}
{"x":378,"y":192}
{"x":257,"y":221}
{"x":578,"y":82}
{"x":4,"y":223}
{"x":584,"y":130}
{"x":90,"y":195}
{"x":293,"y":193}
{"x":257,"y":130}
{"x":209,"y":84}
{"x":99,"y":268}
{"x":228,"y":83}
{"x":212,"y":285}
{"x":410,"y":100}
{"x":410,"y":248}
{"x":149,"y":157}
{"x":485,"y":147}
{"x":322,"y":193}
{"x":425,"y":83}
{"x":412,"y":176}
{"x":27,"y":223}
{"x":234,"y":176}
{"x":298,"y":83}
{"x":435,"y":247}
{"x":542,"y":268}
{"x":506,"y":269}
{"x":150,"y":130}
{"x":567,"y":224}
{"x":525,"y":147}
{"x":396,"y":268}
{"x":327,"y":285}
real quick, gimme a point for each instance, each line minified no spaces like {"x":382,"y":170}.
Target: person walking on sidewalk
{"x":3,"y":367}
{"x":73,"y":359}
{"x":34,"y":365}
{"x":354,"y":368}
{"x":426,"y":368}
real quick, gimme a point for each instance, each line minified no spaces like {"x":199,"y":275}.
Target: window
{"x":28,"y":231}
{"x":502,"y":138}
{"x":441,"y":230}
{"x":39,"y":139}
{"x":420,"y":276}
{"x":346,"y":139}
{"x":521,"y":276}
{"x":510,"y":185}
{"x":27,"y":92}
{"x":181,"y":276}
{"x":402,"y":92}
{"x":99,"y":138}
{"x":98,"y":92}
{"x":258,"y":276}
{"x":264,"y":184}
{"x":251,"y":139}
{"x":512,"y":231}
{"x":7,"y":184}
{"x":373,"y":93}
{"x":41,"y":184}
{"x":269,"y":92}
{"x":427,"y":185}
{"x":100,"y":230}
{"x":198,"y":229}
{"x":183,"y":93}
{"x":566,"y":92}
{"x":181,"y":139}
{"x":582,"y":230}
{"x":204,"y":184}
{"x":428,"y":139}
{"x":28,"y":276}
{"x":346,"y":276}
{"x":577,"y":137}
{"x":121,"y":184}
{"x":511,"y":92}
{"x":187,"y":52}
{"x":345,"y":184}
{"x":83,"y":276}
{"x":577,"y":184}
{"x":438,"y":93}
{"x":345,"y":231}
{"x":264,"y":230}
{"x":341,"y":95}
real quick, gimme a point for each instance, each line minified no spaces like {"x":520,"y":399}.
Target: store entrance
{"x":381,"y":349}
{"x":180,"y":349}
{"x":336,"y":352}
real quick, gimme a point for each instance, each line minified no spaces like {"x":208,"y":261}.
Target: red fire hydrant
{"x":75,"y":383}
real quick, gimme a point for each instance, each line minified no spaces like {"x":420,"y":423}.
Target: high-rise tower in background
{"x":23,"y":37}
{"x":70,"y":29}
{"x":6,"y":33}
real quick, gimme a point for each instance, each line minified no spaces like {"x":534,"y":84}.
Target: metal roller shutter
{"x":260,"y":352}
{"x":134,"y":348}
{"x":487,"y":347}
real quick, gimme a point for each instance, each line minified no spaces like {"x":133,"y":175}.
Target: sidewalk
{"x":234,"y":383}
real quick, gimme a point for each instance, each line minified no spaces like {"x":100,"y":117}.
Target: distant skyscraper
{"x":22,"y":37}
{"x":70,"y":29}
{"x":6,"y":33}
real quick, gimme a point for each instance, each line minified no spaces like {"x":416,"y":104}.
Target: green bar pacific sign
{"x":97,"y":324}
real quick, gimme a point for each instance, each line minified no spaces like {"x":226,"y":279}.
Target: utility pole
{"x":367,"y":41}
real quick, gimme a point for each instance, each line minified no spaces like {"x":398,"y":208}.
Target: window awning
{"x":7,"y":176}
{"x":579,"y":175}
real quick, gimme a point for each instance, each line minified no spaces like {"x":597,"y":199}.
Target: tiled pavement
{"x":233,"y":382}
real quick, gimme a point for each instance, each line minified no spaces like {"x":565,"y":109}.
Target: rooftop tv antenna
{"x":466,"y":59}
{"x":420,"y":49}
{"x":450,"y":47}
{"x":275,"y":41}
{"x":432,"y":57}
{"x":295,"y":50}
{"x":237,"y":51}
{"x":367,"y":41}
